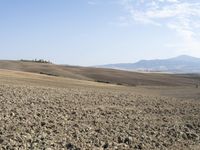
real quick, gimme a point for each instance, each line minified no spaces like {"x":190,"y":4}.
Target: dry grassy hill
{"x":99,"y":74}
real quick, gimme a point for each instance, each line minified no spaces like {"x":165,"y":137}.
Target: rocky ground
{"x":45,"y":118}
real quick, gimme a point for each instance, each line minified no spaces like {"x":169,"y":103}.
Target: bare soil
{"x":51,"y":113}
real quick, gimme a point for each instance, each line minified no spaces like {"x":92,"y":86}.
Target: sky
{"x":95,"y":32}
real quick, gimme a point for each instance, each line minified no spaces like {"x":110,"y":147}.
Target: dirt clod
{"x":36,"y":117}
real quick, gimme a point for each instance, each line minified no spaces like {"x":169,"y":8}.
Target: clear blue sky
{"x":93,"y":32}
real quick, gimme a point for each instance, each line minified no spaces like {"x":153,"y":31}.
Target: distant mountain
{"x":180,"y":64}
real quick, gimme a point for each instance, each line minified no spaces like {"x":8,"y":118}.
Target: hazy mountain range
{"x":180,"y":64}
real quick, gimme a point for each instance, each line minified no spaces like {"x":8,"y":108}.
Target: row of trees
{"x":37,"y":61}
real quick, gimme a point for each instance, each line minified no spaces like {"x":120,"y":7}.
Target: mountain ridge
{"x":179,"y":64}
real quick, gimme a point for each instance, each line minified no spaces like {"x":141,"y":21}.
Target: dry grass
{"x":18,"y":77}
{"x":100,"y":75}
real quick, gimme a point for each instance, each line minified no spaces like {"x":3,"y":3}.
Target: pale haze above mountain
{"x":180,"y":64}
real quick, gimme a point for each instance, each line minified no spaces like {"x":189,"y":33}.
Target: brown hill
{"x":100,"y":75}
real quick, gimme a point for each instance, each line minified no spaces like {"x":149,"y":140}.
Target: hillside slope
{"x":98,"y":74}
